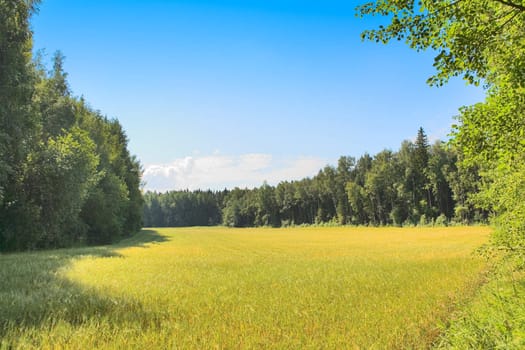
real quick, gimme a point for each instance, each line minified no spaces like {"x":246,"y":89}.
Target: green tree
{"x":380,"y":187}
{"x":483,"y":41}
{"x":103,"y":212}
{"x":232,"y":213}
{"x":422,"y":193}
{"x":356,"y":200}
{"x":441,"y":158}
{"x":18,"y":124}
{"x":58,"y":179}
{"x":345,"y":167}
{"x":267,"y":210}
{"x":53,"y":100}
{"x":476,"y":39}
{"x":113,"y":208}
{"x":287,"y":202}
{"x":66,"y":174}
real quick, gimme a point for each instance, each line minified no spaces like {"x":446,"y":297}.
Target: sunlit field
{"x":201,"y":288}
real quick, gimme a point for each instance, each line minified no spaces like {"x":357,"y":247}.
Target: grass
{"x":495,"y":317}
{"x":208,"y":288}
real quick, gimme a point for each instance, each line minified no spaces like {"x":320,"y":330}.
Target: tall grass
{"x":495,"y":317}
{"x":296,"y":288}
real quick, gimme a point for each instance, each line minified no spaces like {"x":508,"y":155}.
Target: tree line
{"x":66,"y":175}
{"x":483,"y":42}
{"x":418,"y":184}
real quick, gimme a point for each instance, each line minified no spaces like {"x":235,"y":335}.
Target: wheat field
{"x":221,"y":288}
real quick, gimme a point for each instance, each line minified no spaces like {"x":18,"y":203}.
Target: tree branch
{"x":512,"y":4}
{"x":508,"y":21}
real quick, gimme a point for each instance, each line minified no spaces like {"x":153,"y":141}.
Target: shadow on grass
{"x":140,"y":239}
{"x":34,"y":293}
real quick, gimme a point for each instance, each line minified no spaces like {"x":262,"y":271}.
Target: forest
{"x":481,"y":42}
{"x":420,"y":184}
{"x":66,"y":175}
{"x":68,"y":179}
{"x":480,"y":174}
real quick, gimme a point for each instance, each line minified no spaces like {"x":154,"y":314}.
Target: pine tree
{"x":423,"y":193}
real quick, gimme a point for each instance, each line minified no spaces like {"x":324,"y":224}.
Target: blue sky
{"x":232,"y":93}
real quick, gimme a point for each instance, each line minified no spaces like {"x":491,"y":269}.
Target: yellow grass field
{"x":220,"y":288}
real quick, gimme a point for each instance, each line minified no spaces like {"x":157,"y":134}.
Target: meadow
{"x":215,"y":288}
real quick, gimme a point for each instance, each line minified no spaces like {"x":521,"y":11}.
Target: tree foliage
{"x":391,"y":188}
{"x":483,"y":41}
{"x":183,"y":208}
{"x":470,"y":37}
{"x":66,"y":176}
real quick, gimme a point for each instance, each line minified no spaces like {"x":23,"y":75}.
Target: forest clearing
{"x":217,"y":287}
{"x":147,"y":226}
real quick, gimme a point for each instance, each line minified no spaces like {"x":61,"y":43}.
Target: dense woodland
{"x":483,"y":42}
{"x":418,"y":184}
{"x":66,"y":175}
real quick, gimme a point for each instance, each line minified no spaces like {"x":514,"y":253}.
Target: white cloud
{"x":218,"y":171}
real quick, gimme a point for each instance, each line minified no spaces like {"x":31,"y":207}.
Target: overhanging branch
{"x":512,"y":4}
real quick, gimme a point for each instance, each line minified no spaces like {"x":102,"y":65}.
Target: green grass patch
{"x":495,"y":317}
{"x":295,"y":288}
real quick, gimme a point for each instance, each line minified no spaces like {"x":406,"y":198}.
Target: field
{"x":294,"y":288}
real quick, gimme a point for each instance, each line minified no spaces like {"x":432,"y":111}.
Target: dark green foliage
{"x":66,"y":176}
{"x":114,"y":208}
{"x":240,"y":208}
{"x":471,"y":38}
{"x":182,"y":208}
{"x":53,"y":99}
{"x":17,"y":124}
{"x":59,"y":176}
{"x":483,"y":41}
{"x":392,"y":188}
{"x":103,"y":211}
